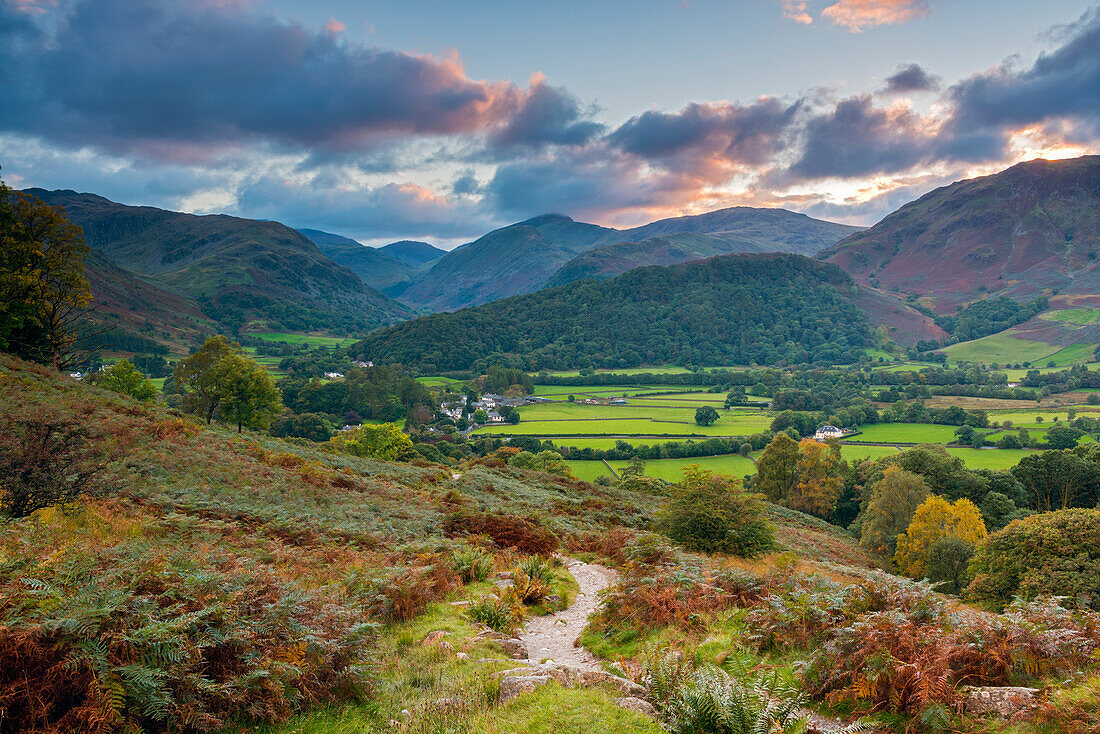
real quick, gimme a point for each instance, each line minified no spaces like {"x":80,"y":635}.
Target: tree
{"x":124,"y":378}
{"x":936,"y":518}
{"x":965,"y":435}
{"x":714,"y":514}
{"x":479,"y":416}
{"x":777,"y":468}
{"x":1057,"y":480}
{"x":706,"y":416}
{"x":310,"y":426}
{"x":386,"y":442}
{"x":44,"y":295}
{"x":821,"y":472}
{"x":219,"y":380}
{"x":894,"y":500}
{"x":948,"y":563}
{"x":45,"y":461}
{"x":1063,"y":437}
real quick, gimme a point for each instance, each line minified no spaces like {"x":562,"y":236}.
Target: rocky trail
{"x":554,"y":636}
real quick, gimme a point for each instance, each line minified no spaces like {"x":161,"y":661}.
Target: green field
{"x":437,"y":381}
{"x":990,"y":458}
{"x":600,"y":391}
{"x":1027,"y":419}
{"x":311,"y":340}
{"x":632,"y":427}
{"x":1001,"y":348}
{"x":906,"y":433}
{"x":1082,"y":316}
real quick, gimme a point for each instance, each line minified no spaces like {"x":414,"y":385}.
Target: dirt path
{"x":553,"y":636}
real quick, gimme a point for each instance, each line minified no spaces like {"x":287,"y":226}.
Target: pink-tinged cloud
{"x":797,"y":11}
{"x":31,"y":6}
{"x":335,"y":26}
{"x":857,"y":15}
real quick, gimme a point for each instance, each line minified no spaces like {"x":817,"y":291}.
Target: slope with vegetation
{"x":728,"y":310}
{"x":1031,"y":230}
{"x":235,"y":269}
{"x":374,"y":266}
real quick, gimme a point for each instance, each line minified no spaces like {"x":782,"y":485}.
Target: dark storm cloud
{"x":173,"y":79}
{"x":548,"y":115}
{"x":747,"y":134}
{"x":911,"y":78}
{"x":1064,"y":83}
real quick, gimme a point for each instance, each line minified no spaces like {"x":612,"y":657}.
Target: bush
{"x":473,"y":565}
{"x":125,"y":379}
{"x":714,"y":514}
{"x":1051,"y":554}
{"x":948,"y":561}
{"x":506,"y":531}
{"x":494,"y":614}
{"x":45,"y":461}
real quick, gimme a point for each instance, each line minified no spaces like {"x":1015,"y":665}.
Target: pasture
{"x":310,"y":339}
{"x":906,"y":433}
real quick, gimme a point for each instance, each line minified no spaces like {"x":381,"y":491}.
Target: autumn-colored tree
{"x":386,"y":442}
{"x":821,"y":471}
{"x":894,"y":500}
{"x":935,"y":519}
{"x":44,"y":295}
{"x":220,"y":380}
{"x":777,"y":468}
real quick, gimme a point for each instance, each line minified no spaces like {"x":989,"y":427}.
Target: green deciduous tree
{"x":385,"y":441}
{"x":124,"y":378}
{"x":714,"y":514}
{"x":894,"y":500}
{"x":948,"y":563}
{"x":1056,"y":480}
{"x":777,"y":468}
{"x":821,"y":472}
{"x":706,"y":416}
{"x":221,"y":381}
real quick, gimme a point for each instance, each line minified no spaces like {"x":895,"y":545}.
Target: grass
{"x":310,"y":339}
{"x":671,"y":470}
{"x":906,"y":433}
{"x":1083,"y":316}
{"x":551,"y":709}
{"x":728,"y":425}
{"x":1000,"y":348}
{"x":990,"y":458}
{"x":438,"y":381}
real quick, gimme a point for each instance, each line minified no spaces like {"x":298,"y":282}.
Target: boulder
{"x":433,"y":638}
{"x":1002,"y":701}
{"x":515,"y":685}
{"x":637,"y":704}
{"x":515,"y":649}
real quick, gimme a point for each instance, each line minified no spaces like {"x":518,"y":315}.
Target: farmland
{"x":906,"y":433}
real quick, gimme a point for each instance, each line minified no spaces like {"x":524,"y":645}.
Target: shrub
{"x":1054,"y":553}
{"x":713,"y":513}
{"x":125,"y":379}
{"x":473,"y":565}
{"x":494,"y":614}
{"x":948,"y":561}
{"x":45,"y":461}
{"x":506,"y":531}
{"x":538,"y":568}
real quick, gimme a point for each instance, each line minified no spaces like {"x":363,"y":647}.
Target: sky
{"x":440,"y":120}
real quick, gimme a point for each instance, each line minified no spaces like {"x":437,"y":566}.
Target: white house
{"x":334,"y":375}
{"x":826,"y":432}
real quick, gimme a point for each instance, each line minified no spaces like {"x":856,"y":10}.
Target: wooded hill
{"x":737,"y":309}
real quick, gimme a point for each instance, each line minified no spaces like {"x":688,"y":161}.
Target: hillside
{"x":412,"y":252}
{"x":727,"y":310}
{"x":723,"y":232}
{"x":524,"y":257}
{"x":1032,"y":229}
{"x":237,"y":270}
{"x":375,"y":266}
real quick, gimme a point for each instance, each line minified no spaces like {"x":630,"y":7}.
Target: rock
{"x":444,"y":646}
{"x":462,"y":604}
{"x":433,"y":638}
{"x":448,"y":705}
{"x":1002,"y":701}
{"x":504,"y":583}
{"x":514,"y":649}
{"x":637,"y":704}
{"x":591,"y":678}
{"x":462,"y":656}
{"x":503,"y":575}
{"x":515,"y":685}
{"x":554,"y":600}
{"x":488,"y":634}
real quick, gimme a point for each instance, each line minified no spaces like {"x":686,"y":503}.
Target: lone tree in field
{"x":44,"y":295}
{"x":221,"y":381}
{"x":706,"y":416}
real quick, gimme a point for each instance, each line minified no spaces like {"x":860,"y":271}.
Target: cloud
{"x":545,"y":115}
{"x":797,"y":11}
{"x":911,"y":78}
{"x":857,"y":15}
{"x":1064,"y":83}
{"x":335,"y":26}
{"x":177,"y":80}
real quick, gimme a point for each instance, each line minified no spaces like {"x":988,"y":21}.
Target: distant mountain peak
{"x":544,"y":219}
{"x":413,"y":252}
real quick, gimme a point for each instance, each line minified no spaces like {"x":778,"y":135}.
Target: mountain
{"x":1033,"y":229}
{"x":736,"y":309}
{"x":554,"y":249}
{"x":516,"y":259}
{"x":375,"y":266}
{"x":412,"y":252}
{"x":234,"y":270}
